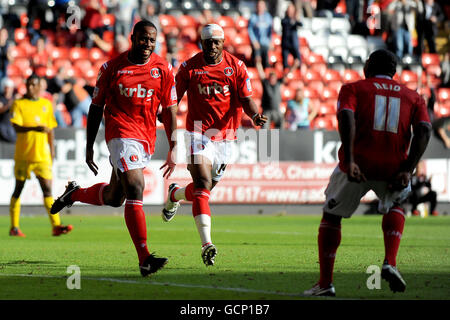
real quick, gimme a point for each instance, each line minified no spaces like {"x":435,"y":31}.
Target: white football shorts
{"x":343,"y":197}
{"x":219,"y":153}
{"x":127,"y":154}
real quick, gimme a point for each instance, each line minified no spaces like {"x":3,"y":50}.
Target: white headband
{"x":212,"y":31}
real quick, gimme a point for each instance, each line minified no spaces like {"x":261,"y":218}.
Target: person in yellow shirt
{"x":33,"y":119}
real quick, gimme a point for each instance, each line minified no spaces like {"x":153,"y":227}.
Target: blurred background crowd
{"x":298,"y":53}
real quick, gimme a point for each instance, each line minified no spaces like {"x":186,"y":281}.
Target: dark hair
{"x":32,"y":77}
{"x":381,"y":62}
{"x":139,"y":26}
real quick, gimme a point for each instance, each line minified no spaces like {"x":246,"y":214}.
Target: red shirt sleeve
{"x":103,"y":79}
{"x":182,"y":80}
{"x":244,"y":85}
{"x":347,"y":98}
{"x":168,"y":89}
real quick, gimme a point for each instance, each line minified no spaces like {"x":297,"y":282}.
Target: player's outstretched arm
{"x":422,"y":134}
{"x":169,"y":120}
{"x":94,"y":119}
{"x":252,"y":110}
{"x":346,"y":122}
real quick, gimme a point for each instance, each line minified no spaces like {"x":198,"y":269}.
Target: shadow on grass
{"x":212,"y":284}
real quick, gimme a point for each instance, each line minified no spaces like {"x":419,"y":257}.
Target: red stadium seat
{"x":22,"y":63}
{"x":351,"y":76}
{"x":253,"y":73}
{"x":225,"y":22}
{"x":328,"y":122}
{"x":314,"y":58}
{"x":186,"y":21}
{"x":329,"y":94}
{"x":443,"y":95}
{"x":321,"y":68}
{"x":95,"y":54}
{"x":108,"y":36}
{"x":20,"y":34}
{"x":78,"y":54}
{"x":257,"y":89}
{"x":429,"y":59}
{"x":108,"y":19}
{"x":244,"y":52}
{"x":312,"y":75}
{"x":327,"y":109}
{"x":408,"y":76}
{"x":230,"y":33}
{"x":189,"y":34}
{"x":317,"y":85}
{"x":59,"y":53}
{"x":287,"y":93}
{"x":311,"y":93}
{"x":17,"y":52}
{"x":241,"y":22}
{"x":442,"y":110}
{"x":335,"y":85}
{"x":13,"y":71}
{"x":167,"y":20}
{"x":276,"y":40}
{"x":274,"y":57}
{"x":24,"y":20}
{"x":331,"y":75}
{"x":82,"y":64}
{"x":241,"y":39}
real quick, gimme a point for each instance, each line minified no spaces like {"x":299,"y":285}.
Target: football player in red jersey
{"x":218,"y":89}
{"x":375,"y":117}
{"x":129,"y":90}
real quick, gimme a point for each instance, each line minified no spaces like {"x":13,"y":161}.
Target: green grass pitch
{"x":259,"y":257}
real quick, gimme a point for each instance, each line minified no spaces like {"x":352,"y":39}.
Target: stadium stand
{"x":332,"y":53}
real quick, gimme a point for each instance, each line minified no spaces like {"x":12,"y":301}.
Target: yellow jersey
{"x":33,"y":146}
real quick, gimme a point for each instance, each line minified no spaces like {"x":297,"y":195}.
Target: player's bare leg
{"x":14,"y":209}
{"x":133,"y":184}
{"x":329,"y":239}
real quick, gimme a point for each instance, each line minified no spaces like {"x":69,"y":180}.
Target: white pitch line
{"x":165,"y":284}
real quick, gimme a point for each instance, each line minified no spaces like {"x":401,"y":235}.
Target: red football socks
{"x":200,"y":203}
{"x":329,"y":239}
{"x":392,"y":225}
{"x":92,"y":195}
{"x":189,"y":192}
{"x":135,"y":221}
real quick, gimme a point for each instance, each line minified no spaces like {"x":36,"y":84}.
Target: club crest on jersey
{"x":133,"y":158}
{"x":155,"y":73}
{"x":228,"y":71}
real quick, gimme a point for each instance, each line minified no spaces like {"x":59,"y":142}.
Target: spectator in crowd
{"x":402,"y":24}
{"x":305,"y":8}
{"x":301,"y":112}
{"x":5,"y":56}
{"x":433,"y":15}
{"x":172,"y":46}
{"x":92,"y":21}
{"x":41,"y":57}
{"x":260,"y":26}
{"x":112,"y":50}
{"x":271,"y":97}
{"x":50,"y":97}
{"x":7,"y":132}
{"x":422,"y":191}
{"x":77,"y":101}
{"x":148,"y":12}
{"x":289,"y":38}
{"x":353,"y":11}
{"x":445,"y":70}
{"x":327,"y":8}
{"x":36,"y":10}
{"x":124,"y":12}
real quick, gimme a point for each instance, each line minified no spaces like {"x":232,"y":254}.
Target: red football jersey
{"x":213,"y":93}
{"x":384,"y":112}
{"x":132,"y":94}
